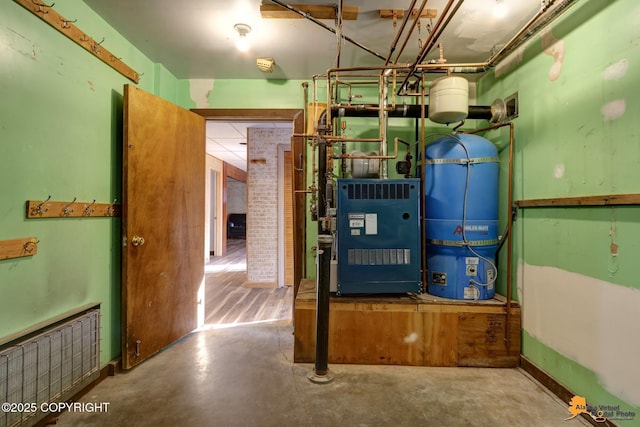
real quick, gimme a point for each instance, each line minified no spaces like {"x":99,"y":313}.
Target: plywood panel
{"x":440,"y":339}
{"x":401,"y":330}
{"x":481,"y":340}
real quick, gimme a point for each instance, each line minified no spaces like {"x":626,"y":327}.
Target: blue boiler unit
{"x":378,"y":223}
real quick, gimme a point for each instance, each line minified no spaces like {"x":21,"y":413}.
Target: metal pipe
{"x":320,"y":372}
{"x":326,"y":27}
{"x":413,"y":27}
{"x":384,"y":174}
{"x":423,"y":52}
{"x":376,"y":156}
{"x":423,"y":200}
{"x":481,"y":112}
{"x":507,"y":327}
{"x":394,"y":43}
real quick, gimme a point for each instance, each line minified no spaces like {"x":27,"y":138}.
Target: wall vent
{"x":49,"y":365}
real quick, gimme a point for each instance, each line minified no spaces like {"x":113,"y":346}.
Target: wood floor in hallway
{"x":228,"y":301}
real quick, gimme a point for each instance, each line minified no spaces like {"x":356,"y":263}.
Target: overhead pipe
{"x":413,"y":27}
{"x":424,"y":51}
{"x":481,"y":112}
{"x":326,"y":27}
{"x":396,"y":39}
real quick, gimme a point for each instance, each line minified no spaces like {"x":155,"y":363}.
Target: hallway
{"x":229,"y":301}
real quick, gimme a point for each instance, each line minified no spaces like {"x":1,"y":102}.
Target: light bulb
{"x":501,"y":10}
{"x":242,"y":44}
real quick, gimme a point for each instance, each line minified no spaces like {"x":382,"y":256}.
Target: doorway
{"x":234,"y":294}
{"x":298,"y":154}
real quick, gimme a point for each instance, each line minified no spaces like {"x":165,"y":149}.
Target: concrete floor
{"x":244,"y":376}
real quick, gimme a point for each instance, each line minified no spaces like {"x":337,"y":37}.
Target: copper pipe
{"x":340,"y":138}
{"x":413,"y":27}
{"x":516,"y":36}
{"x":423,"y":199}
{"x":376,"y":156}
{"x":394,"y":43}
{"x":507,"y":326}
{"x":424,"y":51}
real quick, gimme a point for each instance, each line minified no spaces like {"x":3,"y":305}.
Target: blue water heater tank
{"x":461,"y":191}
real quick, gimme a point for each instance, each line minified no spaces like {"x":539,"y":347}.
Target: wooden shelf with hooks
{"x":66,"y":27}
{"x":73,"y":209}
{"x":604,"y":200}
{"x":17,"y":248}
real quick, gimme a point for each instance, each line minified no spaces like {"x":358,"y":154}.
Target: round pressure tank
{"x":461,"y":191}
{"x":448,"y":100}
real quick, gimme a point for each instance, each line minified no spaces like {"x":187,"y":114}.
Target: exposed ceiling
{"x":227,"y":141}
{"x":196,"y":39}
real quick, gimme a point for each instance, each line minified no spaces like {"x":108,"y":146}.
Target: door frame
{"x":298,"y":149}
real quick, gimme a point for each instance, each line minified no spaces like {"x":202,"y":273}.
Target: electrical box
{"x":378,"y":236}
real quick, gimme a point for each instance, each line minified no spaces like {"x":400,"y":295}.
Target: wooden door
{"x":163,"y":223}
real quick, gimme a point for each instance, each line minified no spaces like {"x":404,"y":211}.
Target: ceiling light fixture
{"x":242,"y":44}
{"x":501,"y":10}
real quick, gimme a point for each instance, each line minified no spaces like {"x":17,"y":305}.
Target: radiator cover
{"x":378,"y":236}
{"x":49,"y":365}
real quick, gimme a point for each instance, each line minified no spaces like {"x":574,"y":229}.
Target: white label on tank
{"x":371,"y":224}
{"x":356,"y":223}
{"x":472,"y":260}
{"x":471,"y":293}
{"x":355,"y":232}
{"x":476,"y":228}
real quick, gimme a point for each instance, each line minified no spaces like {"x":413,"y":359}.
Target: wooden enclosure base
{"x":415,"y":330}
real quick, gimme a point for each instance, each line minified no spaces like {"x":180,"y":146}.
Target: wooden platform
{"x":416,"y":330}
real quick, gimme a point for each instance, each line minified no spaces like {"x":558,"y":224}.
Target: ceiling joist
{"x":273,"y":11}
{"x":399,"y":13}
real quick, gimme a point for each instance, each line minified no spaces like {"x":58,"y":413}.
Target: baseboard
{"x":109,"y":370}
{"x":556,"y":388}
{"x":269,"y":285}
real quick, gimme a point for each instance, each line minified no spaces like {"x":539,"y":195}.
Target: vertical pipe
{"x":423,"y":200}
{"x":321,"y":368}
{"x":321,"y":372}
{"x":383,"y":117}
{"x":507,"y":327}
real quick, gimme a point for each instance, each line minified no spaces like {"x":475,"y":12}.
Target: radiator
{"x":50,"y":365}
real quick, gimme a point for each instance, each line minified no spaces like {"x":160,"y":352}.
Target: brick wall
{"x":262,"y":202}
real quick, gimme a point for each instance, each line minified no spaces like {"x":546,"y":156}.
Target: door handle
{"x":137,"y":241}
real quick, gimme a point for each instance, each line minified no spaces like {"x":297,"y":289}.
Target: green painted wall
{"x":576,"y":135}
{"x":60,"y":135}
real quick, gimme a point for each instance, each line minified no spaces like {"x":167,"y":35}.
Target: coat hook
{"x":96,"y":46}
{"x":66,"y":22}
{"x":108,"y":211}
{"x":88,"y":210}
{"x":66,"y":210}
{"x":41,"y":6}
{"x":30,"y":242}
{"x":39,"y":207}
